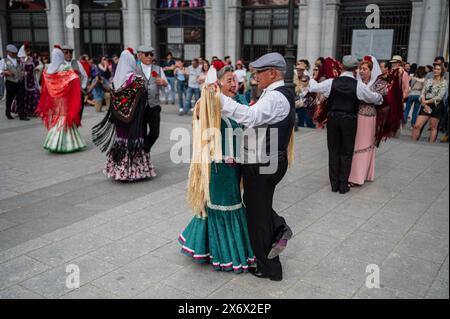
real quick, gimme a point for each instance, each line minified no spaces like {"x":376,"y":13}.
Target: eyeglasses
{"x":147,"y":54}
{"x":67,"y":52}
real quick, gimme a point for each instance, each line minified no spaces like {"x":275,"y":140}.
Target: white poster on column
{"x":175,"y":35}
{"x":372,"y":42}
{"x":192,"y":51}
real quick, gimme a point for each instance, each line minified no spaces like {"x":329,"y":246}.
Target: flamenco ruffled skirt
{"x":221,"y":239}
{"x":64,"y":140}
{"x":124,"y":171}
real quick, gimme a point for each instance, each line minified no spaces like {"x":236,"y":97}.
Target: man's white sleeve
{"x":268,"y":110}
{"x":322,"y":87}
{"x":84,"y":77}
{"x":365,"y":94}
{"x":163,"y":76}
{"x":2,"y":66}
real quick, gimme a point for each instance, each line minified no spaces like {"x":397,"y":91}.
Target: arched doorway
{"x":27,"y":21}
{"x":101,"y":25}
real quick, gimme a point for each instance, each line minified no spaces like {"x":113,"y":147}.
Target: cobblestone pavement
{"x":59,"y":210}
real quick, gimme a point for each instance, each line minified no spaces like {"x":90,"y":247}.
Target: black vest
{"x":343,"y":97}
{"x":285,"y":126}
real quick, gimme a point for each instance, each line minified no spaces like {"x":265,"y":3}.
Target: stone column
{"x":233,"y":34}
{"x":442,"y":48}
{"x":313,"y":36}
{"x":72,"y":35}
{"x":133,"y":31}
{"x":415,"y":33}
{"x":429,"y":40}
{"x":3,"y":28}
{"x":56,"y":23}
{"x":331,"y":26}
{"x":147,"y":23}
{"x":215,"y":25}
{"x":302,"y":29}
{"x":446,"y":40}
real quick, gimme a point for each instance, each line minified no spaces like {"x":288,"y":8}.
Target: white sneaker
{"x":191,"y":111}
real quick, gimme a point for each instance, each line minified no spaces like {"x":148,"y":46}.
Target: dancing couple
{"x":234,"y":233}
{"x":131,"y":127}
{"x":363,"y":108}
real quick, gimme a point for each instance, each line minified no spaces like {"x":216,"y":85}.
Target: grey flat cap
{"x":11,"y":48}
{"x":272,"y":60}
{"x":67,"y":47}
{"x":350,"y":62}
{"x":145,"y":49}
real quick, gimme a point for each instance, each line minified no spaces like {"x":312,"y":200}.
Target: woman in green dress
{"x":218,"y":233}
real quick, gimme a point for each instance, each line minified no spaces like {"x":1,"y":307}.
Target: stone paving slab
{"x":57,"y":211}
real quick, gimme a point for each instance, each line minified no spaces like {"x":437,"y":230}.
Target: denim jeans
{"x":303,"y":118}
{"x":412,"y":100}
{"x":181,"y":89}
{"x":189,"y":94}
{"x":171,"y":81}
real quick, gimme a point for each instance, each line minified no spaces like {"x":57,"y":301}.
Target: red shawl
{"x":60,"y":96}
{"x":390,"y":113}
{"x":331,"y":69}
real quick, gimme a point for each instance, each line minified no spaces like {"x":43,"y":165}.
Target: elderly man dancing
{"x":264,"y":167}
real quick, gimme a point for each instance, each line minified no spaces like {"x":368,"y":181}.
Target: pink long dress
{"x":363,"y":163}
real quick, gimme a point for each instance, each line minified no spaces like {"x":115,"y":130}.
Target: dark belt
{"x":337,"y":114}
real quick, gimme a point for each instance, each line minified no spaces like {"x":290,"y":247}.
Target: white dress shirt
{"x":147,"y":70}
{"x":363,"y":92}
{"x":272,"y":107}
{"x":3,"y":67}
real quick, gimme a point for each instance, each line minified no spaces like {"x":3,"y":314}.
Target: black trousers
{"x":15,"y":91}
{"x":264,"y":224}
{"x":153,"y":119}
{"x":341,"y":134}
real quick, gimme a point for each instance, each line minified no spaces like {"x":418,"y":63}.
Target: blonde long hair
{"x":206,"y":147}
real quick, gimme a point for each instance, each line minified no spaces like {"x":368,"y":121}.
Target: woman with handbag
{"x":431,"y":100}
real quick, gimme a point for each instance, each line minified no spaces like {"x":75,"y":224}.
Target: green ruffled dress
{"x":64,"y":140}
{"x":222,"y":238}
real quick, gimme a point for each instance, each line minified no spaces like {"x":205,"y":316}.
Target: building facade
{"x":417,"y":30}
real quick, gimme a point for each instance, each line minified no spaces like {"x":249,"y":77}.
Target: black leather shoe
{"x":24,"y":119}
{"x":344,"y":190}
{"x":335,"y":189}
{"x":9,"y":117}
{"x":259,"y":274}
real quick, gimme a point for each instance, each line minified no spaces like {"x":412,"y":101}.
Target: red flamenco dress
{"x":59,"y":107}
